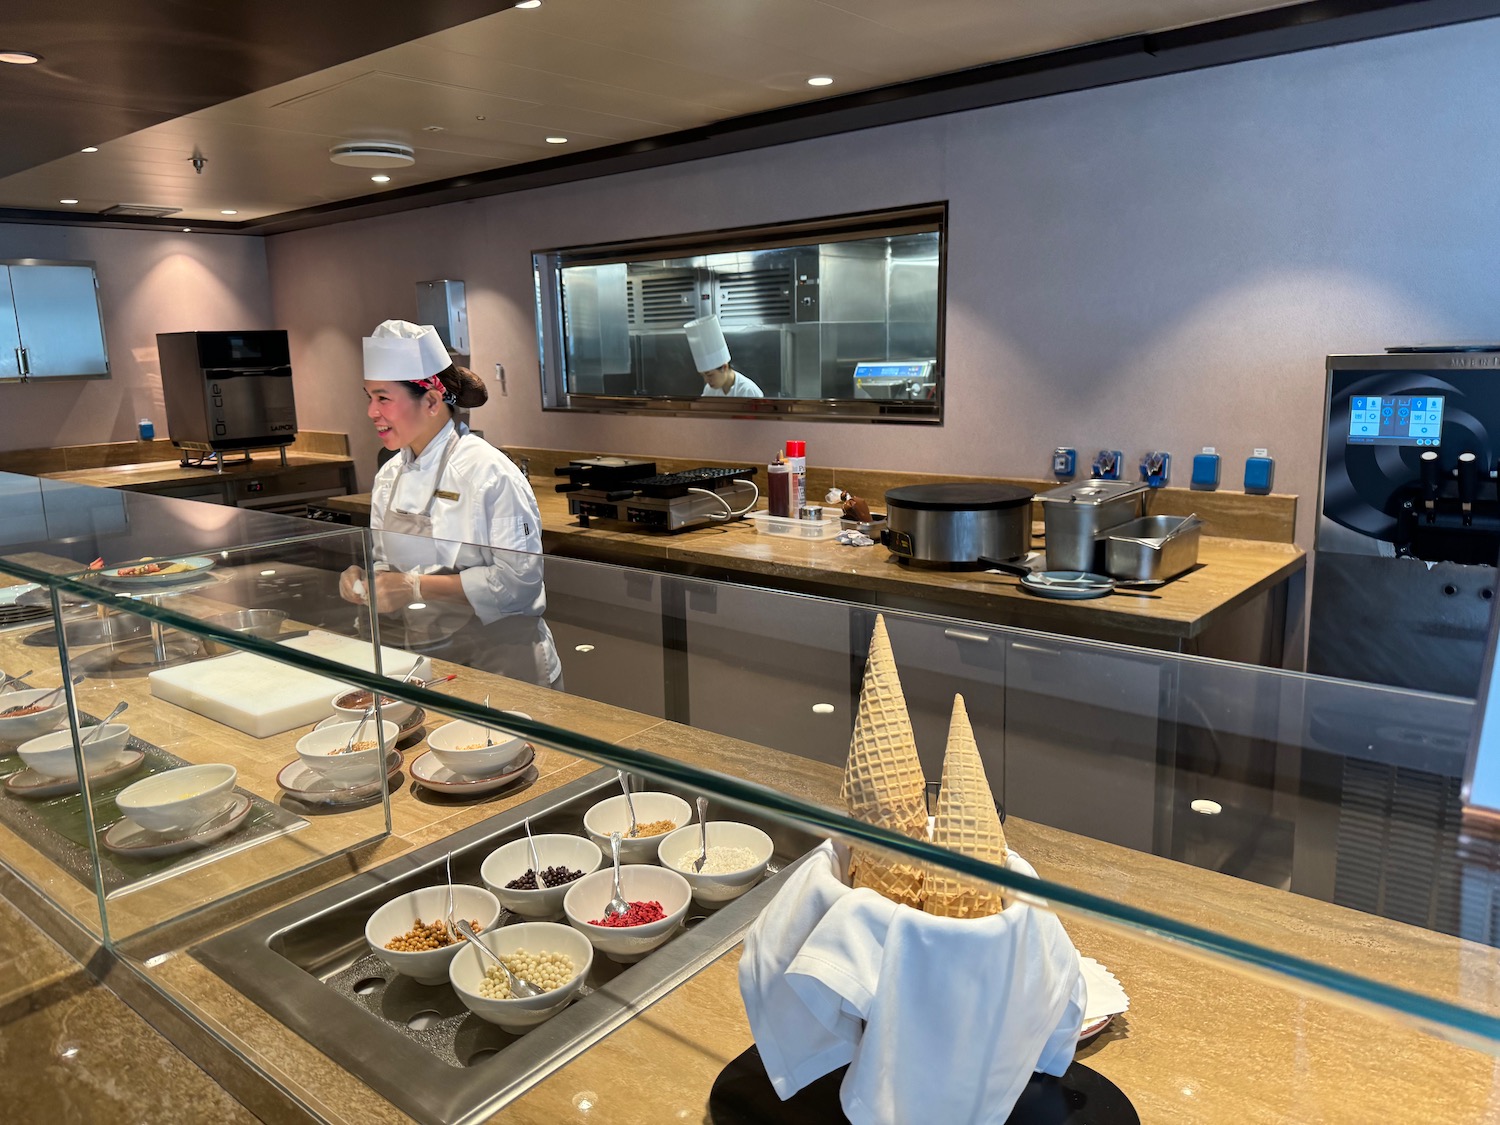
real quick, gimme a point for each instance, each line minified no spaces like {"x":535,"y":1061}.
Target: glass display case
{"x":1234,"y":844}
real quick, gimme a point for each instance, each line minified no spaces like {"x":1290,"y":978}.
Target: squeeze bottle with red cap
{"x":796,"y":457}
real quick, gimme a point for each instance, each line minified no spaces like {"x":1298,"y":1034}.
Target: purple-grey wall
{"x":1157,"y":265}
{"x":149,"y":282}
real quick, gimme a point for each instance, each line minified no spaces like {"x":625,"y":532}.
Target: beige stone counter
{"x":1232,"y":574}
{"x":1203,"y":1043}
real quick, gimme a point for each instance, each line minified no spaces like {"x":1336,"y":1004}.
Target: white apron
{"x":518,"y":646}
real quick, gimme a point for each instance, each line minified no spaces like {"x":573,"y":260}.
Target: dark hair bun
{"x":465,"y":386}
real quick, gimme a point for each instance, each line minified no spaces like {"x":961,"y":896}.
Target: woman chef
{"x":711,"y":358}
{"x":457,"y":532}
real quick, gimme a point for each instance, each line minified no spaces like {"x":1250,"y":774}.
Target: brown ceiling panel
{"x":111,"y":67}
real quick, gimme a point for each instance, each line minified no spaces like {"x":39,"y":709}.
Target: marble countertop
{"x":261,"y":463}
{"x":1204,"y":1042}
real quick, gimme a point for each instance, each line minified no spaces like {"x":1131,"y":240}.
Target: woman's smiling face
{"x":399,"y":416}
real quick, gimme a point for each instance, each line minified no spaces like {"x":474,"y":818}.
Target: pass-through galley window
{"x":838,"y":318}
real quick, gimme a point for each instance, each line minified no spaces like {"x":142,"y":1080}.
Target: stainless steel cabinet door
{"x":770,"y":669}
{"x":10,"y":336}
{"x":939,"y":659}
{"x":607,"y":624}
{"x":57,"y":308}
{"x":1081,"y":734}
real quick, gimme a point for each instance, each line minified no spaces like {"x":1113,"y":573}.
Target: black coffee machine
{"x":1408,"y":538}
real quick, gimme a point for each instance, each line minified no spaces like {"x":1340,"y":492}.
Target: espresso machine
{"x":1408,"y":533}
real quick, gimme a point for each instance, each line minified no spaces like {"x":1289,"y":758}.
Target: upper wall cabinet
{"x":50,"y":322}
{"x":835,"y":318}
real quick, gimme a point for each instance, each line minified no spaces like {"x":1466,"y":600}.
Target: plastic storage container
{"x":825,"y":528}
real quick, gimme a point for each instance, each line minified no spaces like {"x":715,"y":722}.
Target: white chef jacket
{"x":740,"y":388}
{"x":491,"y":534}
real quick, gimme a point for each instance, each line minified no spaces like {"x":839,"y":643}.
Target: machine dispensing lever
{"x":1468,"y":483}
{"x":1432,"y":480}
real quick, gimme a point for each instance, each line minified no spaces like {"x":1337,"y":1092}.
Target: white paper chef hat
{"x":706,"y":339}
{"x":400,"y":351}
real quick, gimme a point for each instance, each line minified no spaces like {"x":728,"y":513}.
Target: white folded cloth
{"x":796,"y":1045}
{"x":941,"y":1019}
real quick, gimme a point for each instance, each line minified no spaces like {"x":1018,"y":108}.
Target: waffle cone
{"x":883,"y":781}
{"x":966,"y":822}
{"x":896,"y":880}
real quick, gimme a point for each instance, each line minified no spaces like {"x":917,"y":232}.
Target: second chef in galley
{"x":458,"y":536}
{"x":711,"y":358}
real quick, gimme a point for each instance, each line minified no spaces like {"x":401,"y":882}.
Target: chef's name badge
{"x":444,"y":494}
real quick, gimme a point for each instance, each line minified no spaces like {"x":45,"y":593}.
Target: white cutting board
{"x":261,"y":697}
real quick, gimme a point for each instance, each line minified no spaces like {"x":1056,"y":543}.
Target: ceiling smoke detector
{"x":373,"y":154}
{"x":145,"y":210}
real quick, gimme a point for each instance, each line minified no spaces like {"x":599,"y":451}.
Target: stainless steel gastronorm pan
{"x":308,"y":965}
{"x":1152,"y":548}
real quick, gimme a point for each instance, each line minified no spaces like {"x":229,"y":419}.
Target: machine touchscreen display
{"x":1396,"y":420}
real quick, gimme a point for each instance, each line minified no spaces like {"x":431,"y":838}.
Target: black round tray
{"x":743,"y":1095}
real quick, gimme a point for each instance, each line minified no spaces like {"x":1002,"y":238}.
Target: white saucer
{"x":128,"y":838}
{"x":309,"y":786}
{"x":29,"y":783}
{"x":429,"y":772}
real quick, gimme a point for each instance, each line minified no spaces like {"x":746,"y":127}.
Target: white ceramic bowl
{"x":483,"y":761}
{"x":390,"y":710}
{"x":639,"y":882}
{"x":611,"y":815}
{"x":178,"y":800}
{"x":319,"y":750}
{"x":51,"y":755}
{"x":429,"y":905}
{"x":512,"y":860}
{"x":22,"y":728}
{"x":466,"y":973}
{"x":679,"y":850}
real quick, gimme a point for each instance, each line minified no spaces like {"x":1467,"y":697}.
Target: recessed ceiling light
{"x":20,"y":58}
{"x":433,"y":128}
{"x":67,"y":201}
{"x":1206,"y":807}
{"x":91,"y":148}
{"x":557,"y":140}
{"x":187,"y":230}
{"x":381,"y":179}
{"x":529,"y":4}
{"x":229,"y":212}
{"x":820,"y":80}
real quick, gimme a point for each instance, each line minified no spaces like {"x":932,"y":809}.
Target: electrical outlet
{"x":1206,"y":470}
{"x":1064,"y":462}
{"x":1107,"y":464}
{"x":1156,"y":468}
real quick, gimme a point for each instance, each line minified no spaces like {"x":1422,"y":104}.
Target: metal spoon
{"x":98,"y":728}
{"x":488,"y":734}
{"x":536,"y":864}
{"x":702,"y":803}
{"x":629,"y":804}
{"x":520,"y":988}
{"x":38,"y":700}
{"x":359,"y":728}
{"x":14,"y":681}
{"x":617,"y":904}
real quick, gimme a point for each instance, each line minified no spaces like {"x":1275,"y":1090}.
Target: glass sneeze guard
{"x":1185,"y":804}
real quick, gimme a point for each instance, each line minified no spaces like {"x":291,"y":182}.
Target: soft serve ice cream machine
{"x":1409,"y":518}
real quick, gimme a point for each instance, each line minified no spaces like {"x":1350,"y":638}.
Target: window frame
{"x":548,"y":264}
